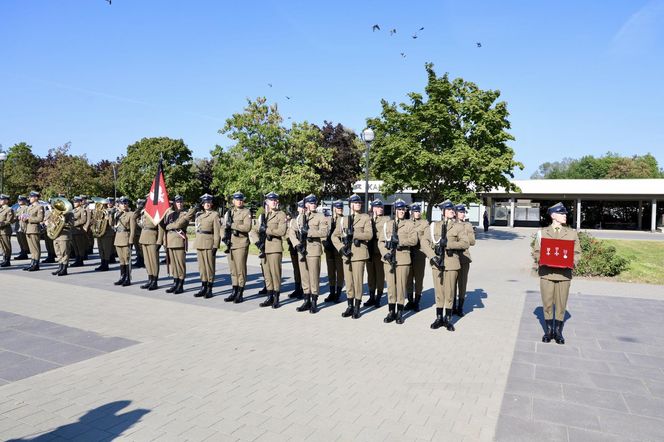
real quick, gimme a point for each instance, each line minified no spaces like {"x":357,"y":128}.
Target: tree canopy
{"x":62,"y":172}
{"x":20,"y":170}
{"x":611,"y":165}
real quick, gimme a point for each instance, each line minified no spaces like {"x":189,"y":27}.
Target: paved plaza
{"x":82,"y":359}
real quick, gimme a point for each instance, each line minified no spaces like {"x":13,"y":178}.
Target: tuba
{"x":99,"y":222}
{"x":56,"y":221}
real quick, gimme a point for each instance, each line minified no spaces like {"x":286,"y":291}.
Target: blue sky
{"x":579,"y":77}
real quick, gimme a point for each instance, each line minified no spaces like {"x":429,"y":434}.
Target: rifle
{"x":347,"y":239}
{"x":440,"y":248}
{"x":228,"y":232}
{"x":327,"y":243}
{"x":262,"y":236}
{"x":392,"y":244}
{"x":302,"y":236}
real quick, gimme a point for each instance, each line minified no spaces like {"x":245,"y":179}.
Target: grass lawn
{"x":646,"y":260}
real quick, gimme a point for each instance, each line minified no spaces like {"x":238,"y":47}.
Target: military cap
{"x":557,"y":208}
{"x":238,"y":196}
{"x":123,"y":200}
{"x":400,"y":204}
{"x":110,"y":199}
{"x":376,"y":203}
{"x":85,"y":197}
{"x":415,"y":207}
{"x":22,"y":198}
{"x":178,"y":199}
{"x":3,"y":196}
{"x":300,"y":204}
{"x":272,"y":196}
{"x":355,"y":198}
{"x":311,"y":199}
{"x":140,"y":201}
{"x":34,"y":194}
{"x":206,"y":198}
{"x":447,"y":204}
{"x":77,"y":199}
{"x":460,"y":208}
{"x":338,"y":204}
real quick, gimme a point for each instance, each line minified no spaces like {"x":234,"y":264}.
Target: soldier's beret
{"x":300,"y":204}
{"x":355,"y":198}
{"x":77,"y":199}
{"x":238,"y":196}
{"x":140,"y":201}
{"x":338,"y":204}
{"x":272,"y":196}
{"x":376,"y":203}
{"x":178,"y":199}
{"x":206,"y":198}
{"x":415,"y":207}
{"x":85,"y":197}
{"x":110,"y":199}
{"x":311,"y":199}
{"x":447,"y":204}
{"x":4,"y":197}
{"x":557,"y":208}
{"x":400,"y":204}
{"x":22,"y":198}
{"x":460,"y":208}
{"x":34,"y":194}
{"x":123,"y":200}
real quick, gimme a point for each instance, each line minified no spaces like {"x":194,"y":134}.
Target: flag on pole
{"x":157,"y":203}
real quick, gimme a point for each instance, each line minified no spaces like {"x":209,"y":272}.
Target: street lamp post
{"x":367,"y":137}
{"x":3,"y":157}
{"x":115,"y":180}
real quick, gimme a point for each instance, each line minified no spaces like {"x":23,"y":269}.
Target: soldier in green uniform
{"x":555,"y":282}
{"x":124,"y":224}
{"x":48,"y":242}
{"x":351,"y":238}
{"x":150,"y":241}
{"x":239,"y":246}
{"x":335,"y":265}
{"x":78,"y":233}
{"x":273,"y":226}
{"x":399,"y":236}
{"x":89,"y":239}
{"x":419,"y":260}
{"x":107,"y":238}
{"x":21,"y":226}
{"x":6,"y":221}
{"x":464,"y":258}
{"x":207,"y":242}
{"x":34,"y":216}
{"x":299,"y":261}
{"x":140,"y":261}
{"x":62,"y":245}
{"x":445,"y":242}
{"x":375,"y":265}
{"x":175,"y":241}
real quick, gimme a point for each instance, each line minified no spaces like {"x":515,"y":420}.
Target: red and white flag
{"x":157,"y":203}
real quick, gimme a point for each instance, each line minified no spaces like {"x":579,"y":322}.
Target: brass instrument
{"x":56,"y":221}
{"x":99,"y":222}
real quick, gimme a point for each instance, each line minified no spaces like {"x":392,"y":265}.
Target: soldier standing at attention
{"x":33,"y":216}
{"x":79,"y":236}
{"x":6,"y":220}
{"x":89,"y":239}
{"x":275,"y":226}
{"x":335,"y":267}
{"x":124,"y":224}
{"x":208,"y":236}
{"x":150,"y":240}
{"x":445,"y":242}
{"x":175,"y":223}
{"x":239,"y":247}
{"x":295,"y":227}
{"x":555,"y":282}
{"x":419,"y":260}
{"x":375,"y":265}
{"x":62,"y":245}
{"x":140,"y":261}
{"x":22,"y":225}
{"x":105,"y":242}
{"x":464,"y":258}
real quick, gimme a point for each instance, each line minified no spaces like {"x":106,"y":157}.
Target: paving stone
{"x":594,"y":397}
{"x":22,"y":370}
{"x":534,"y":387}
{"x":618,"y":383}
{"x":517,"y":406}
{"x":514,"y":429}
{"x":631,"y":426}
{"x":9,"y":358}
{"x":645,"y":405}
{"x":655,"y":388}
{"x":562,"y":375}
{"x":581,"y":435}
{"x":565,"y":413}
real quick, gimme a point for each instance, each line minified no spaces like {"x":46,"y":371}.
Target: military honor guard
{"x":464,"y":258}
{"x":445,"y":242}
{"x":555,"y":278}
{"x":78,"y":233}
{"x":21,"y":226}
{"x":124,"y":224}
{"x":351,"y":238}
{"x":175,"y":223}
{"x":59,"y":227}
{"x":295,"y":228}
{"x":333,"y":259}
{"x":375,"y":265}
{"x":103,"y":215}
{"x":208,"y":236}
{"x":418,"y":258}
{"x":6,"y":221}
{"x":137,"y":214}
{"x":149,"y":241}
{"x":237,"y":225}
{"x":33,"y":217}
{"x":272,"y":227}
{"x":89,"y":238}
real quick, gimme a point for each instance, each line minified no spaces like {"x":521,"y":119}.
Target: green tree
{"x":20,"y":170}
{"x":62,"y":172}
{"x":105,"y":180}
{"x":610,"y":165}
{"x":202,"y":169}
{"x":138,"y":168}
{"x":450,"y":145}
{"x":345,"y":167}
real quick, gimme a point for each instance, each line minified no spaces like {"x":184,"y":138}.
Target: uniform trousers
{"x":151,"y":259}
{"x":207,"y":264}
{"x":376,"y":273}
{"x":416,"y":274}
{"x":178,"y":262}
{"x":444,"y":283}
{"x":400,"y":280}
{"x":335,"y":268}
{"x":22,"y":242}
{"x":105,"y":246}
{"x":462,"y":281}
{"x":237,"y":261}
{"x":272,"y":271}
{"x":62,"y":245}
{"x":33,"y":244}
{"x":554,"y":293}
{"x":311,"y":275}
{"x":6,"y":245}
{"x":80,"y":242}
{"x":124,"y":254}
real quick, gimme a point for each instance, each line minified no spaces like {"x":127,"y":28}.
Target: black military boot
{"x":113,"y":260}
{"x":399,"y":319}
{"x":238,"y":298}
{"x":410,"y":305}
{"x":30,"y":266}
{"x":559,"y":333}
{"x":459,"y":307}
{"x":202,"y":291}
{"x":297,"y":293}
{"x":349,"y":310}
{"x":391,"y":316}
{"x":231,"y":297}
{"x":148,"y":283}
{"x":275,"y":304}
{"x":337,"y":296}
{"x":50,"y":259}
{"x":448,"y":320}
{"x":270,"y":299}
{"x":314,"y":304}
{"x":263,"y":291}
{"x":333,"y":293}
{"x":6,"y":262}
{"x":59,"y":269}
{"x":78,"y":262}
{"x":439,"y":322}
{"x":172,"y":288}
{"x":356,"y":310}
{"x":306,"y":305}
{"x":208,"y":292}
{"x":416,"y":303}
{"x":548,"y":334}
{"x":372,"y":299}
{"x":379,"y":295}
{"x":63,"y":272}
{"x":179,"y":289}
{"x":123,"y":275}
{"x":139,"y":263}
{"x":21,"y":256}
{"x":35,"y":267}
{"x":155,"y":283}
{"x":102,"y":267}
{"x":127,"y":281}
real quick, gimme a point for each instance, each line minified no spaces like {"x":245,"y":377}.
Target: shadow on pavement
{"x":539,"y":313}
{"x":501,"y":235}
{"x":105,"y":416}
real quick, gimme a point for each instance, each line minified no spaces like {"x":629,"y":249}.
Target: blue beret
{"x":415,"y":207}
{"x":110,"y":199}
{"x":85,"y":197}
{"x":34,"y":194}
{"x":400,"y":204}
{"x":355,"y":198}
{"x":178,"y":199}
{"x":376,"y":203}
{"x":77,"y":199}
{"x":300,"y":204}
{"x":557,"y":208}
{"x":208,"y":198}
{"x":4,"y":197}
{"x":238,"y":196}
{"x":272,"y":196}
{"x":123,"y":200}
{"x":460,"y":208}
{"x":311,"y":198}
{"x":338,"y":204}
{"x":447,"y":204}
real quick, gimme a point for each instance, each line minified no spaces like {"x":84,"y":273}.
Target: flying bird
{"x":414,"y":36}
{"x":109,"y":1}
{"x":403,"y":55}
{"x":479,"y":45}
{"x":269,"y":84}
{"x":375,"y":28}
{"x":422,"y":28}
{"x":393,"y":31}
{"x":287,"y":97}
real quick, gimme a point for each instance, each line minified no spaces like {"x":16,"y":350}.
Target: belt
{"x":241,"y":234}
{"x":205,"y":232}
{"x":150,"y":228}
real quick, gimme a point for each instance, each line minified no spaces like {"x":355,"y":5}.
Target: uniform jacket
{"x":6,"y":220}
{"x":276,"y":230}
{"x":139,"y":225}
{"x":377,"y":226}
{"x":362,"y":231}
{"x":175,"y":224}
{"x":241,"y":227}
{"x":125,"y":228}
{"x":208,"y":227}
{"x":35,"y":218}
{"x":332,"y":222}
{"x":109,"y":216}
{"x":65,"y":233}
{"x":457,"y":242}
{"x":22,"y":224}
{"x":80,"y":220}
{"x":421,"y":226}
{"x":470,"y":234}
{"x":150,"y":233}
{"x":553,"y":273}
{"x":318,"y":230}
{"x":407,"y":238}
